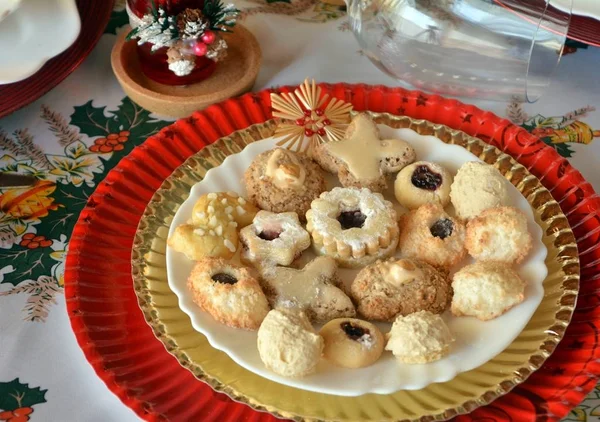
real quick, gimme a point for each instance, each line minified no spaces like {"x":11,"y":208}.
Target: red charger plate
{"x":121,"y":347}
{"x":94,"y":16}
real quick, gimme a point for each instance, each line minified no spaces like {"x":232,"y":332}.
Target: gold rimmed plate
{"x":436,"y":401}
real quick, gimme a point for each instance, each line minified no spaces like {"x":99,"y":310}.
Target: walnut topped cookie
{"x":280,"y":180}
{"x":361,"y":159}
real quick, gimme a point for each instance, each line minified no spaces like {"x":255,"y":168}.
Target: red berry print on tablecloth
{"x":17,"y":400}
{"x":32,"y":241}
{"x":110,"y":143}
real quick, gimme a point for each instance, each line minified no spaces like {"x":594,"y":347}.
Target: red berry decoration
{"x":23,"y":411}
{"x":122,"y":139}
{"x":94,"y":148}
{"x":112,"y":136}
{"x":307,"y":113}
{"x":300,"y":122}
{"x":208,"y":37}
{"x":119,"y":147}
{"x":309,"y":132}
{"x":124,"y":133}
{"x":112,"y":142}
{"x":321,"y":132}
{"x":100,"y":141}
{"x":319,"y":112}
{"x":27,"y":236}
{"x":326,"y":122}
{"x":33,"y":245}
{"x":106,"y":148}
{"x":6,"y":415}
{"x":200,"y":49}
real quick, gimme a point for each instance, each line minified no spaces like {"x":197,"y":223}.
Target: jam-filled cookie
{"x":499,"y":234}
{"x":421,"y":337}
{"x":354,"y":226}
{"x":228,"y":292}
{"x":280,"y":180}
{"x":223,"y":208}
{"x":288,"y":344}
{"x":198,"y":242}
{"x":486,"y":290}
{"x":312,"y":289}
{"x":422,"y":182}
{"x":384,"y":290}
{"x":477,"y":187}
{"x":273,"y":239}
{"x":352,"y":343}
{"x":430,"y":234}
{"x":361,"y":159}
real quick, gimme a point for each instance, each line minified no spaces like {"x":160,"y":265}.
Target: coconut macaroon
{"x":486,"y":290}
{"x":499,"y":234}
{"x":477,"y":186}
{"x":288,"y":344}
{"x":421,"y":337}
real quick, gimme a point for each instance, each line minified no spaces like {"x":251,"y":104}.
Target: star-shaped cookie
{"x":362,"y":158}
{"x":312,"y":289}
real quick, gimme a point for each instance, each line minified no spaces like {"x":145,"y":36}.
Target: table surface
{"x":62,"y":137}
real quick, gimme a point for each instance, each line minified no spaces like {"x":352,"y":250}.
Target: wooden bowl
{"x":233,"y":76}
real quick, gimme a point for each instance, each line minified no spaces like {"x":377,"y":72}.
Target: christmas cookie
{"x":352,"y":343}
{"x":422,"y":182}
{"x":288,"y":344}
{"x":361,"y":159}
{"x":273,"y":239}
{"x":228,"y":292}
{"x":430,"y":234}
{"x":486,"y":290}
{"x":477,"y":187}
{"x":421,"y":337}
{"x":354,"y":226}
{"x":280,"y":180}
{"x":499,"y":234}
{"x":312,"y":289}
{"x":197,"y":242}
{"x":224,"y":208}
{"x":384,"y":290}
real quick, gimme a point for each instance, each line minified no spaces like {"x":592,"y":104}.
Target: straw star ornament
{"x":308,"y":118}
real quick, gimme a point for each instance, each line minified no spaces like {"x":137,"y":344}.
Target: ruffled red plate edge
{"x":122,"y":349}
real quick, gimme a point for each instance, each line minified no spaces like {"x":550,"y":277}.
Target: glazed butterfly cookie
{"x":273,"y":239}
{"x":430,"y":234}
{"x":228,"y":292}
{"x":220,"y":208}
{"x":486,"y":290}
{"x":361,"y":159}
{"x":198,"y":242}
{"x":312,"y":289}
{"x":352,"y":343}
{"x":280,"y":180}
{"x":354,"y":226}
{"x":476,"y":188}
{"x":499,"y":234}
{"x":386,"y":289}
{"x":288,"y":344}
{"x":418,"y":338}
{"x":422,"y":182}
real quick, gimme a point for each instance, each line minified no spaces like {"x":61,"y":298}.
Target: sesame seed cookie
{"x":430,"y":234}
{"x":362,"y":159}
{"x":499,"y":234}
{"x":386,"y":289}
{"x":228,"y":292}
{"x":198,"y":242}
{"x":280,"y":180}
{"x":228,"y":208}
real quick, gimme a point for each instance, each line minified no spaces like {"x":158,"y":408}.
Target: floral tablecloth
{"x":71,"y":138}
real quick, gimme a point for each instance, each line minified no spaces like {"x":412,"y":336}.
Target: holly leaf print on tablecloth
{"x":17,"y":400}
{"x":35,"y":221}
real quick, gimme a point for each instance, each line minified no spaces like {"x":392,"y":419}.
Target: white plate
{"x":38,"y":31}
{"x":7,"y":7}
{"x":477,"y":342}
{"x":590,"y":8}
